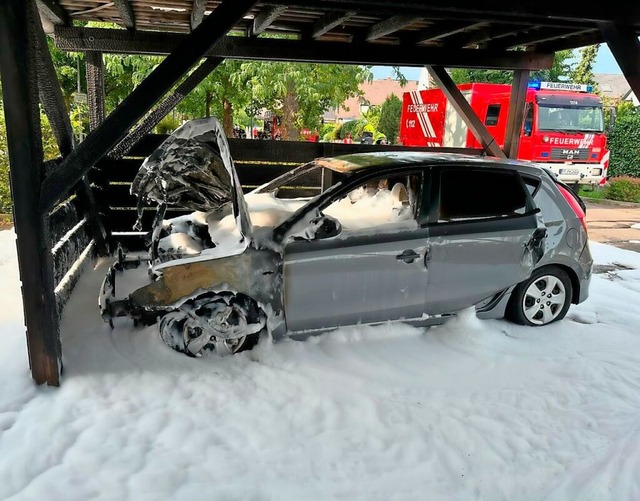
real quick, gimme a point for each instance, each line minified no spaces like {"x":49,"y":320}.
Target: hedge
{"x":624,"y":189}
{"x":624,"y":143}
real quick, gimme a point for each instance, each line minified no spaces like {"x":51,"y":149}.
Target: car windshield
{"x":570,"y":119}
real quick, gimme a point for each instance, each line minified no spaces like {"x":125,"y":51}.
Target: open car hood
{"x":193,"y":169}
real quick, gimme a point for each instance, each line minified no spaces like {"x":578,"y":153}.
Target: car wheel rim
{"x":544,"y":300}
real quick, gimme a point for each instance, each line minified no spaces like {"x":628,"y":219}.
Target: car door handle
{"x":408,"y":256}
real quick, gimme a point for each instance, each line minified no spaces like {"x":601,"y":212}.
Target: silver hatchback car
{"x":400,"y":236}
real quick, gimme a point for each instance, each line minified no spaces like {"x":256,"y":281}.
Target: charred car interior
{"x":394,"y":236}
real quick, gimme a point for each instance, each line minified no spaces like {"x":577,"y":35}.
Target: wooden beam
{"x":18,"y":70}
{"x":266,"y":17}
{"x":542,"y":13}
{"x":625,"y":47}
{"x":442,"y":29}
{"x":192,"y":48}
{"x":481,"y":35}
{"x":56,"y":111}
{"x":271,"y":49}
{"x":197,"y":12}
{"x":535,"y":36}
{"x":388,"y":26}
{"x":52,"y":11}
{"x":126,"y":13}
{"x":462,"y":106}
{"x":516,"y":112}
{"x":329,"y":21}
{"x":571,"y":42}
{"x":164,"y":107}
{"x":95,"y":88}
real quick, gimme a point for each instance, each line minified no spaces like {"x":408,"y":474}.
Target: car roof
{"x":384,"y":160}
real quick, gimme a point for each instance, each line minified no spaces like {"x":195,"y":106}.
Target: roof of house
{"x":374,"y":93}
{"x":613,"y":85}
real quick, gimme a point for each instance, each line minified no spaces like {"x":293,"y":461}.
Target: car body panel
{"x":361,"y":276}
{"x":358,"y":279}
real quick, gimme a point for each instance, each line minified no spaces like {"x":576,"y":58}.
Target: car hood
{"x":193,"y":169}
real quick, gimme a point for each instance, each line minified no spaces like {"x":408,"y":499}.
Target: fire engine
{"x":562,"y":127}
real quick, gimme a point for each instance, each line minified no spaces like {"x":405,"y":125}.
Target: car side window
{"x":381,"y":201}
{"x":471,"y":194}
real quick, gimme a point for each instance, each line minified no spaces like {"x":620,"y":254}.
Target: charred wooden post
{"x":465,"y":111}
{"x":165,"y":106}
{"x":18,"y":68}
{"x":516,"y":112}
{"x":141,"y":100}
{"x":95,"y":88}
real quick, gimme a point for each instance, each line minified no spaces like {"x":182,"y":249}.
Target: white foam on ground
{"x":469,"y":410}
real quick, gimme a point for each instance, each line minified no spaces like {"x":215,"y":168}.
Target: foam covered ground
{"x":470,"y":410}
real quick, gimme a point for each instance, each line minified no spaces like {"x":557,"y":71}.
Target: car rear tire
{"x":542,"y":299}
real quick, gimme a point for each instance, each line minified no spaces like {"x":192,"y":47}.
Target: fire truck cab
{"x":562,"y":127}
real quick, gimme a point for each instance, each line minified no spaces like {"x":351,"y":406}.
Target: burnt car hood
{"x":193,"y":169}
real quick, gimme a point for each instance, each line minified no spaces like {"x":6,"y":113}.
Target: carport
{"x":77,"y":207}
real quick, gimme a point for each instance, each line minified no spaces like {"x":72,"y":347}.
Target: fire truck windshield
{"x":570,"y":119}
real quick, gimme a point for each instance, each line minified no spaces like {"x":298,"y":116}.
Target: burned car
{"x":402,"y":236}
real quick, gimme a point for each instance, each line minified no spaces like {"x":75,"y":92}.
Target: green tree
{"x":300,"y":93}
{"x":390,"y":117}
{"x":561,"y":69}
{"x":583,"y":72}
{"x":223,"y":93}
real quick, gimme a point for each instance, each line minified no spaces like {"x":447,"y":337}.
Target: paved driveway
{"x":612,"y":223}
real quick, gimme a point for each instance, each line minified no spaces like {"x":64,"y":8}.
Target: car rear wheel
{"x":542,"y":299}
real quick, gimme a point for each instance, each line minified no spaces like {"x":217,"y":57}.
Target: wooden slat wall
{"x":68,"y":232}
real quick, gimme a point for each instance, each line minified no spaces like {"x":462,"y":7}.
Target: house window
{"x":493,"y":112}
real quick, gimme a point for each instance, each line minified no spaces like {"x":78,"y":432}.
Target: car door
{"x":485,"y":235}
{"x":365,"y":274}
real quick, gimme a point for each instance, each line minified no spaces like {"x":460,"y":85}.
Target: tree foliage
{"x":390,"y":112}
{"x":561,"y":70}
{"x":583,"y":72}
{"x":300,"y":93}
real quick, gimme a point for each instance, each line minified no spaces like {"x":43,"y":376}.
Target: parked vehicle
{"x":406,"y":236}
{"x":562,"y":127}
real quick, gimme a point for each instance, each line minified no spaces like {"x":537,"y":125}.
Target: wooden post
{"x":465,"y":111}
{"x":99,"y":142}
{"x":18,"y":69}
{"x":95,"y":88}
{"x":516,"y":112}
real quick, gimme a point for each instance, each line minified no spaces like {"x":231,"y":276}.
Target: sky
{"x":605,"y":63}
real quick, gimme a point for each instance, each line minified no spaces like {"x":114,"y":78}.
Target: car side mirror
{"x":327,"y":227}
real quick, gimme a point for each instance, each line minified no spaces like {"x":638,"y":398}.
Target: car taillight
{"x":571,"y":199}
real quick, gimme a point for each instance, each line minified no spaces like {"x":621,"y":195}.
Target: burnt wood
{"x":271,"y":49}
{"x":165,"y":106}
{"x":18,"y":69}
{"x":465,"y":111}
{"x":266,"y":17}
{"x":516,"y":112}
{"x":52,"y":11}
{"x":197,"y":12}
{"x":388,"y":26}
{"x":536,"y":36}
{"x":95,"y":88}
{"x":140,"y":101}
{"x":441,"y":30}
{"x":330,"y":21}
{"x":126,"y":13}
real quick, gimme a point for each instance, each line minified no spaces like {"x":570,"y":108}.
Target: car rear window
{"x":480,"y":194}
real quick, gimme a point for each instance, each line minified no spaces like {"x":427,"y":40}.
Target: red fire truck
{"x":562,"y":126}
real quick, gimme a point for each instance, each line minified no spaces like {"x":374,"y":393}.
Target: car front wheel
{"x":542,"y":299}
